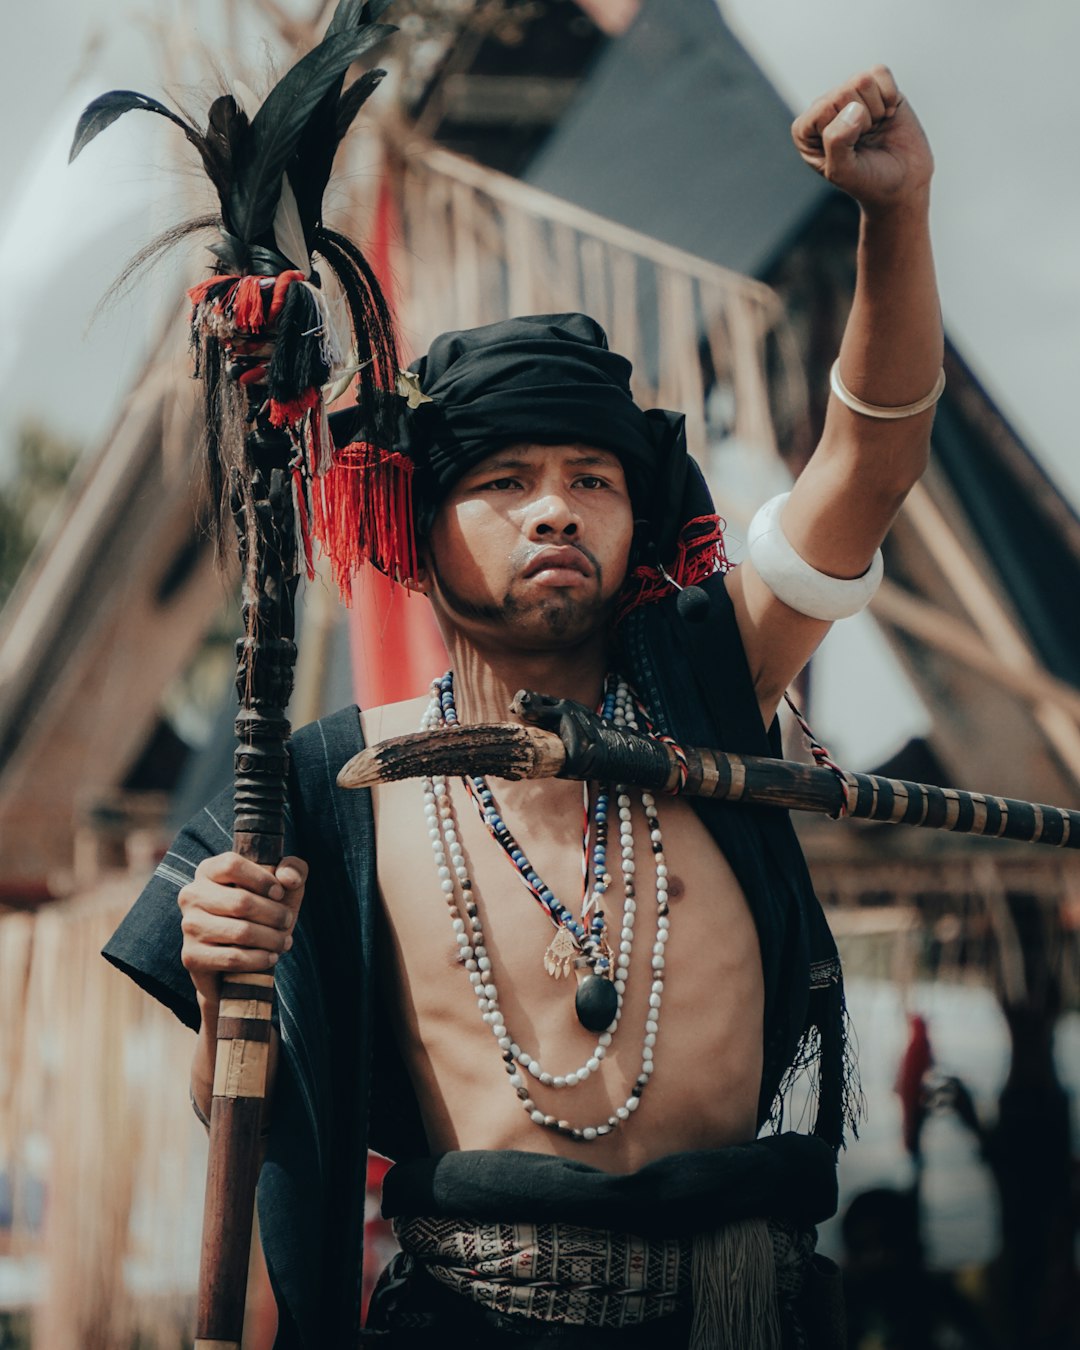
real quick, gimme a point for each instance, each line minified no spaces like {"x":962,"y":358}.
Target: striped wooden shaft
{"x":760,"y":781}
{"x":236,"y":1113}
{"x":898,"y":802}
{"x":262,"y":506}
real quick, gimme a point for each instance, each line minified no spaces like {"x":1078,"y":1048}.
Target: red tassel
{"x":247,"y":305}
{"x":288,"y":414}
{"x":197,"y":294}
{"x":698,"y":554}
{"x":282,"y":282}
{"x":363,"y":512}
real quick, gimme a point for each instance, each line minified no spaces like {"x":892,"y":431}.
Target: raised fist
{"x":864,"y":137}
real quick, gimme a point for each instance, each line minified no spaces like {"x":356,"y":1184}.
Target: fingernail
{"x":290,"y":919}
{"x":273,"y":958}
{"x":852,"y":114}
{"x":288,"y":943}
{"x":277,"y":892}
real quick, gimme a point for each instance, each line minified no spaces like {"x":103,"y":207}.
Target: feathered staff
{"x":272,"y":345}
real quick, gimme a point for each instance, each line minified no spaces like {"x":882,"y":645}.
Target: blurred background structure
{"x":630,"y":158}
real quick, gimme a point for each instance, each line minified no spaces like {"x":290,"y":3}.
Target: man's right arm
{"x":237,"y":917}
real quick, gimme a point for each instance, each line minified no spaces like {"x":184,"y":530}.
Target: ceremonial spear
{"x":563,"y":739}
{"x":273,"y":343}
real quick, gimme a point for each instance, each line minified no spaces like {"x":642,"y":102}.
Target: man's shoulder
{"x":393,"y":719}
{"x":349,"y":729}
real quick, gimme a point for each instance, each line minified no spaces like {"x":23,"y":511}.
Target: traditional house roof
{"x":677,"y":133}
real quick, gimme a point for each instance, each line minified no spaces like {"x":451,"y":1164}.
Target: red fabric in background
{"x":394,"y":643}
{"x":396,"y":651}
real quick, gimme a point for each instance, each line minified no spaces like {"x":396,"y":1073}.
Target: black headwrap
{"x":542,"y":379}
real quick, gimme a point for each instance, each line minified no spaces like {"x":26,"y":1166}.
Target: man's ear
{"x":421,"y":582}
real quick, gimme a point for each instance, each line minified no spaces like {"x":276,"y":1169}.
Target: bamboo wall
{"x":102,"y":1153}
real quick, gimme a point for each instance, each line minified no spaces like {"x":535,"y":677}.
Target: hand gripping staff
{"x":562,"y":739}
{"x":274,"y":341}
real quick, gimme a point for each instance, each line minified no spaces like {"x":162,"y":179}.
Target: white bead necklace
{"x":454,"y":878}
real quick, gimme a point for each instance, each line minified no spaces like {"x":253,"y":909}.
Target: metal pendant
{"x":596,"y":1003}
{"x":561,"y":953}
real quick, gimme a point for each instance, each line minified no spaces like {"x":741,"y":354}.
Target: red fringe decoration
{"x":244,"y":296}
{"x":197,"y":294}
{"x":288,"y":414}
{"x":362,"y":511}
{"x":699,"y":553}
{"x":242,"y":300}
{"x":282,"y":282}
{"x":247,"y":305}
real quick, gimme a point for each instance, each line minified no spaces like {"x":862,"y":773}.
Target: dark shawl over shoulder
{"x":341,"y":1083}
{"x":695,"y":680}
{"x":312,"y":1185}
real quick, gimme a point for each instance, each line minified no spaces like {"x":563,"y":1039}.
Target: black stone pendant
{"x":596,"y":1003}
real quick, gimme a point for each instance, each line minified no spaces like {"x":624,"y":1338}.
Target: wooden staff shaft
{"x":266,"y":656}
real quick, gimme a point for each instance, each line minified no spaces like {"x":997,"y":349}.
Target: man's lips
{"x":559,"y":560}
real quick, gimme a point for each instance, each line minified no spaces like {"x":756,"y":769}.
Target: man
{"x":610,"y":1191}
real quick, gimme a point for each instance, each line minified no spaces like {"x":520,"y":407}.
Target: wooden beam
{"x":917,"y":616}
{"x":506,"y":100}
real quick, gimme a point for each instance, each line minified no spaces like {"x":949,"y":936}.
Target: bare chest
{"x":702,"y":1045}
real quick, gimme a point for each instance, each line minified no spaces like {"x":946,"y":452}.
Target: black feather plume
{"x":269,"y":170}
{"x":295,"y":131}
{"x":106,"y":108}
{"x":355,"y":97}
{"x":278,"y":125}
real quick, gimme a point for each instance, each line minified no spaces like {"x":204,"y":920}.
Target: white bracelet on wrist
{"x":791,"y":578}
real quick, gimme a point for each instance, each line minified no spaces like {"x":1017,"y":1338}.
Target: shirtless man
{"x":524,"y":557}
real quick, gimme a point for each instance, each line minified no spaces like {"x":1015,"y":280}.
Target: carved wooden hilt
{"x":262,"y":507}
{"x":266,"y":654}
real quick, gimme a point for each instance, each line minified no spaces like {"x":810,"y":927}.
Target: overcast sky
{"x":992,"y":80}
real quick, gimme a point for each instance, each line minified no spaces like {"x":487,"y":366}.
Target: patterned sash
{"x":739,"y":1279}
{"x":552,"y":1271}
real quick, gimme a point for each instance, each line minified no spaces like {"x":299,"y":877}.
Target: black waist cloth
{"x":785,"y":1176}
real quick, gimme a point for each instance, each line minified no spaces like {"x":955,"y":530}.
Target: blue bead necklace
{"x":579,"y":944}
{"x":526,"y":1073}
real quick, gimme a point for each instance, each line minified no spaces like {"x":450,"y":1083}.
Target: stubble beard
{"x":559,"y":615}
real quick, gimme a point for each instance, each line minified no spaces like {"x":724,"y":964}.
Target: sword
{"x":557,"y":738}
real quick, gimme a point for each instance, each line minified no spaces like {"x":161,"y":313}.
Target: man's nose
{"x":554,"y":515}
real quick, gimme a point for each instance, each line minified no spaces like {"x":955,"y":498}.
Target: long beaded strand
{"x":468,"y":931}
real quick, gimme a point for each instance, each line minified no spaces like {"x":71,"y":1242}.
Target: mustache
{"x":506,"y":611}
{"x":521,"y":558}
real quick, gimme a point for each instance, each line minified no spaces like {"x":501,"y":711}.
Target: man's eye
{"x":591,"y":481}
{"x":500,"y":484}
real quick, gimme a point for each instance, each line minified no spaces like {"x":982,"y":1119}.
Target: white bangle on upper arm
{"x":791,"y":579}
{"x":876,"y":410}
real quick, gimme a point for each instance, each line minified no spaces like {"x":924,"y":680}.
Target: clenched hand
{"x":238,"y":916}
{"x":864,"y":137}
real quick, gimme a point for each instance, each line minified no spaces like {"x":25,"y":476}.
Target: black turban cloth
{"x":541,"y":379}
